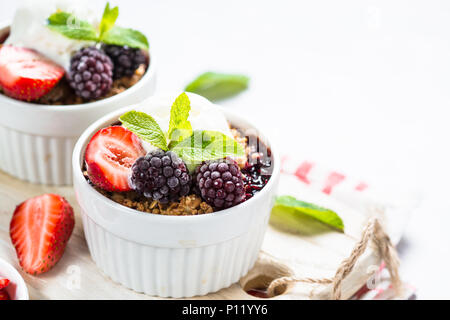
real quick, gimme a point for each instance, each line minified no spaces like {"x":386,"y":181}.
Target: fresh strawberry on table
{"x":25,"y":74}
{"x":39,"y":230}
{"x":109,"y":157}
{"x":3,"y":283}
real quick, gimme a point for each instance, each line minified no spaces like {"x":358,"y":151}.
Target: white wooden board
{"x":77,"y":277}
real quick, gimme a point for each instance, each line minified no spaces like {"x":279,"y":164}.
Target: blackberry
{"x":220,"y":183}
{"x":126,"y":60}
{"x":161,"y":176}
{"x":90,"y":73}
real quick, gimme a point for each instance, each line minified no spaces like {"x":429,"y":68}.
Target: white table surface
{"x":362,"y":86}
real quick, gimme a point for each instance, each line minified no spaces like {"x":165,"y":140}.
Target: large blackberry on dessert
{"x":126,"y":60}
{"x":220,"y":183}
{"x":161,"y":176}
{"x":91,"y":73}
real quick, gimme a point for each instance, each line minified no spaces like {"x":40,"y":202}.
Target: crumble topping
{"x":187,"y":206}
{"x":242,"y":140}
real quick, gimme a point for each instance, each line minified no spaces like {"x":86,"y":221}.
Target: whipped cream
{"x":29,"y":28}
{"x":204,"y":115}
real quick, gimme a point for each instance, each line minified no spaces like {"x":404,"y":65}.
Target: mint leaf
{"x":294,"y":215}
{"x":145,"y":127}
{"x":207,"y":145}
{"x":217,"y":86}
{"x":71,"y":27}
{"x":125,"y":37}
{"x":179,"y":125}
{"x":108,"y":20}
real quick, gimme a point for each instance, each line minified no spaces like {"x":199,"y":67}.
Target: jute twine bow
{"x":373,"y":231}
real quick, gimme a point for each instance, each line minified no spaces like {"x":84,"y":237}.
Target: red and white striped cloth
{"x":359,"y":194}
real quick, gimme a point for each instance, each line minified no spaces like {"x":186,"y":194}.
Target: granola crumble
{"x":187,"y":206}
{"x":242,"y":140}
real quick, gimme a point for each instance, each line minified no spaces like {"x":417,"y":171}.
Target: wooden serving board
{"x":316,"y":255}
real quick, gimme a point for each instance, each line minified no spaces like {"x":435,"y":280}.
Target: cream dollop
{"x":29,"y":28}
{"x":204,"y":115}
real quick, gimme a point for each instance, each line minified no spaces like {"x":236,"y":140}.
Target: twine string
{"x":372,"y":231}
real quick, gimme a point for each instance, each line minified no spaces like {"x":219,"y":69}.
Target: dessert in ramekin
{"x":146,"y":229}
{"x":60,"y":71}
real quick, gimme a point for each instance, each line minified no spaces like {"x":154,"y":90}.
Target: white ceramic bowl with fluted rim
{"x":17,"y":289}
{"x":36,"y":141}
{"x":172,"y":256}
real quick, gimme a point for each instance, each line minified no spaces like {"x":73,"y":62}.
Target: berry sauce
{"x":258,"y":169}
{"x":259,"y":293}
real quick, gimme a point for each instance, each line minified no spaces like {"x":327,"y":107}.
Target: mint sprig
{"x":294,"y":215}
{"x":72,"y":27}
{"x":126,"y":37}
{"x":69,"y":26}
{"x":217,"y":86}
{"x":145,"y":127}
{"x":191,"y":146}
{"x":108,"y":20}
{"x":207,"y":145}
{"x":179,"y":126}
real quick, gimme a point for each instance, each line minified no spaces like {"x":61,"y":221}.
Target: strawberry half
{"x":25,"y":74}
{"x":4,"y":295}
{"x":109,"y":157}
{"x":39,"y":230}
{"x":3,"y":283}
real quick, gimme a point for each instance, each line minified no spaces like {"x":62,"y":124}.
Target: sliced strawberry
{"x":25,"y":74}
{"x":3,"y":283}
{"x":109,"y":157}
{"x":4,"y":295}
{"x":39,"y":230}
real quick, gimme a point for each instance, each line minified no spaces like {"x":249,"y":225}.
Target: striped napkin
{"x":397,"y":207}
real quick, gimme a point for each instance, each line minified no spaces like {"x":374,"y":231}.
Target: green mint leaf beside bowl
{"x":217,"y":86}
{"x":145,"y":127}
{"x":290,"y":214}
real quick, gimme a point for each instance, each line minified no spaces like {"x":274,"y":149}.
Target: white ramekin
{"x":172,"y":256}
{"x":17,"y":289}
{"x":36,"y":141}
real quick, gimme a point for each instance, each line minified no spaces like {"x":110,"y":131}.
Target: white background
{"x":362,"y":86}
